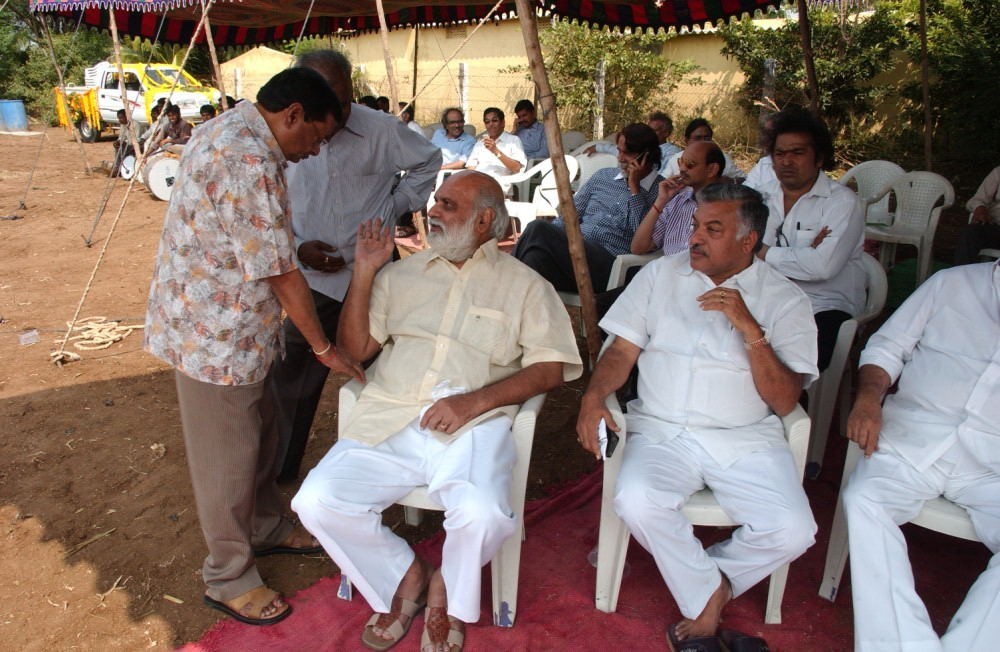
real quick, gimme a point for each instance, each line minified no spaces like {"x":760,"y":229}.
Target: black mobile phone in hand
{"x":607,"y":439}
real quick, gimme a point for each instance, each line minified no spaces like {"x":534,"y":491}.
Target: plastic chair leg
{"x":775,"y":593}
{"x":837,"y":550}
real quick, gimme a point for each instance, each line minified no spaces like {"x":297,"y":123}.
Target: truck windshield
{"x":163,"y":76}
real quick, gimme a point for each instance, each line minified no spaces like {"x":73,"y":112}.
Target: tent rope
{"x":302,"y":32}
{"x":21,"y":206}
{"x":454,"y":54}
{"x":62,"y":356}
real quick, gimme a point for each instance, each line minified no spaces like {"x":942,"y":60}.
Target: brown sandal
{"x":456,"y":637}
{"x":396,"y":629}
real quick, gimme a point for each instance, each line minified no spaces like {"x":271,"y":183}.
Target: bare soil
{"x":100,"y":547}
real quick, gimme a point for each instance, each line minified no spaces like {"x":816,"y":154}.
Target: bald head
{"x":701,"y":164}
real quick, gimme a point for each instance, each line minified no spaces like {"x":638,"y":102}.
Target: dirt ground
{"x":100,"y":547}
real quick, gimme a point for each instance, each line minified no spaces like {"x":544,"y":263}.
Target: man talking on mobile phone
{"x":611,"y":205}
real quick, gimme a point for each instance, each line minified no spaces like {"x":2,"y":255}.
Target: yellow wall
{"x":255,"y":68}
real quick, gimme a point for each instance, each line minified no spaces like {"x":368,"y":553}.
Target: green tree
{"x":638,"y":78}
{"x":851,"y":50}
{"x":26,"y":68}
{"x":963,"y":42}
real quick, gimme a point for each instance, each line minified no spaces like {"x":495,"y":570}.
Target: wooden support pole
{"x":925,"y":88}
{"x":390,"y":70}
{"x":133,"y":138}
{"x":216,"y":68}
{"x":571,"y":221}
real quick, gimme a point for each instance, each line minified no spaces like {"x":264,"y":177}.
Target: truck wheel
{"x":88,"y":133}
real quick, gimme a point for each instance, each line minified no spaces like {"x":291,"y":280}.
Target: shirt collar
{"x":489,"y":251}
{"x":746,"y":280}
{"x":647,"y":181}
{"x":821,"y":187}
{"x":258,"y":125}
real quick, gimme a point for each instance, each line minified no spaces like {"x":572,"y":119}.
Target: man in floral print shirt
{"x":224,"y":272}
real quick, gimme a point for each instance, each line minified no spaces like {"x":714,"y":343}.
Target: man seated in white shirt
{"x":498,"y":153}
{"x":466,"y":333}
{"x":805,"y":204}
{"x":724,"y":345}
{"x":983,"y":230}
{"x":936,"y":436}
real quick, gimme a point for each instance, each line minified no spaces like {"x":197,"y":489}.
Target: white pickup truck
{"x":95,"y":105}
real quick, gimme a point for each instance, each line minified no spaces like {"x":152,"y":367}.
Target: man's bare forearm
{"x":354,"y":329}
{"x":777,"y":385}
{"x":294,"y":296}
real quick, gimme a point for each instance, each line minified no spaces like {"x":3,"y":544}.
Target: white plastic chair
{"x":469,"y":129}
{"x":572,"y":139}
{"x":521,"y":213}
{"x":833,"y":382}
{"x":542,"y":172}
{"x":429,"y":131}
{"x":939,"y":514}
{"x":871,"y":177}
{"x":619,"y":274}
{"x":701,"y":509}
{"x":506,"y":565}
{"x":920,"y":198}
{"x":546,"y":195}
{"x":591,"y":164}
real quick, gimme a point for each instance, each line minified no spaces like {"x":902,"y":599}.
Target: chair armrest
{"x":625,"y":262}
{"x":796,"y":425}
{"x":885,"y":190}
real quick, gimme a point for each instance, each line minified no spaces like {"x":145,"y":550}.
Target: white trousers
{"x":342,"y":499}
{"x":885,"y":491}
{"x":762,"y":491}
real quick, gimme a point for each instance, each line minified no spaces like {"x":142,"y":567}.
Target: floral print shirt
{"x":212,"y":314}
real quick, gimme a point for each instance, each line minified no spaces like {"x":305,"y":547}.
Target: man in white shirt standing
{"x":724,"y":346}
{"x":805,"y":203}
{"x":938,"y":435}
{"x":498,"y":153}
{"x":352,"y":180}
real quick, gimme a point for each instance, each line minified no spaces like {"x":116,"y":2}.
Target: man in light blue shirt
{"x":530,"y":130}
{"x":455,"y":144}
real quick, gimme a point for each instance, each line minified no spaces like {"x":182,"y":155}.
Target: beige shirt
{"x":468,"y":327}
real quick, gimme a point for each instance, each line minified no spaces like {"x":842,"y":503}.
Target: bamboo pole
{"x":63,"y":98}
{"x":389,"y":68}
{"x":529,"y":28}
{"x":133,"y":139}
{"x":216,"y":68}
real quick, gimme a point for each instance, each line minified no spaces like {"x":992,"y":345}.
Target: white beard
{"x":457,"y":245}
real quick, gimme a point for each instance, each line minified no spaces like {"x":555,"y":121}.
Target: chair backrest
{"x":429,"y":131}
{"x":572,"y":139}
{"x":470,"y":129}
{"x":591,"y":164}
{"x":546,"y":197}
{"x":920,"y":198}
{"x":876,"y":288}
{"x":521,"y":214}
{"x":871,"y":177}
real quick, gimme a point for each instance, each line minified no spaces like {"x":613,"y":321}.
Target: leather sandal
{"x":397,"y":630}
{"x":455,"y":640}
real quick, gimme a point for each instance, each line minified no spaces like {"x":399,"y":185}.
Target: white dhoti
{"x":762,"y":491}
{"x":886,"y":491}
{"x":342,"y":499}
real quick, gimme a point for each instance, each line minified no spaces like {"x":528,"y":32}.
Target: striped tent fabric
{"x":253,"y":22}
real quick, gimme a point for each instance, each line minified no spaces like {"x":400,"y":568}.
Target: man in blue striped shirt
{"x":610,"y":206}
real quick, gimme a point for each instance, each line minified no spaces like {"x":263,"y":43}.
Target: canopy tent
{"x":251,"y":22}
{"x":260,"y":21}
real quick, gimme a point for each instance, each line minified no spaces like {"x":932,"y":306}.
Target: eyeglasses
{"x":455,"y":122}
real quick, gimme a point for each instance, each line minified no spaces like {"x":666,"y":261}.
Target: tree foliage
{"x":638,"y":78}
{"x":850,"y":52}
{"x":27,"y":71}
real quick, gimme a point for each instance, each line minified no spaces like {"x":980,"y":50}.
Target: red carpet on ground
{"x":556,"y":598}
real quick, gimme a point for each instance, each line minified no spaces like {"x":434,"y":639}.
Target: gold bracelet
{"x":319,"y":354}
{"x":761,"y":341}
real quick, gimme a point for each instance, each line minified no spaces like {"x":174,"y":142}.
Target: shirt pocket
{"x":489,"y":332}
